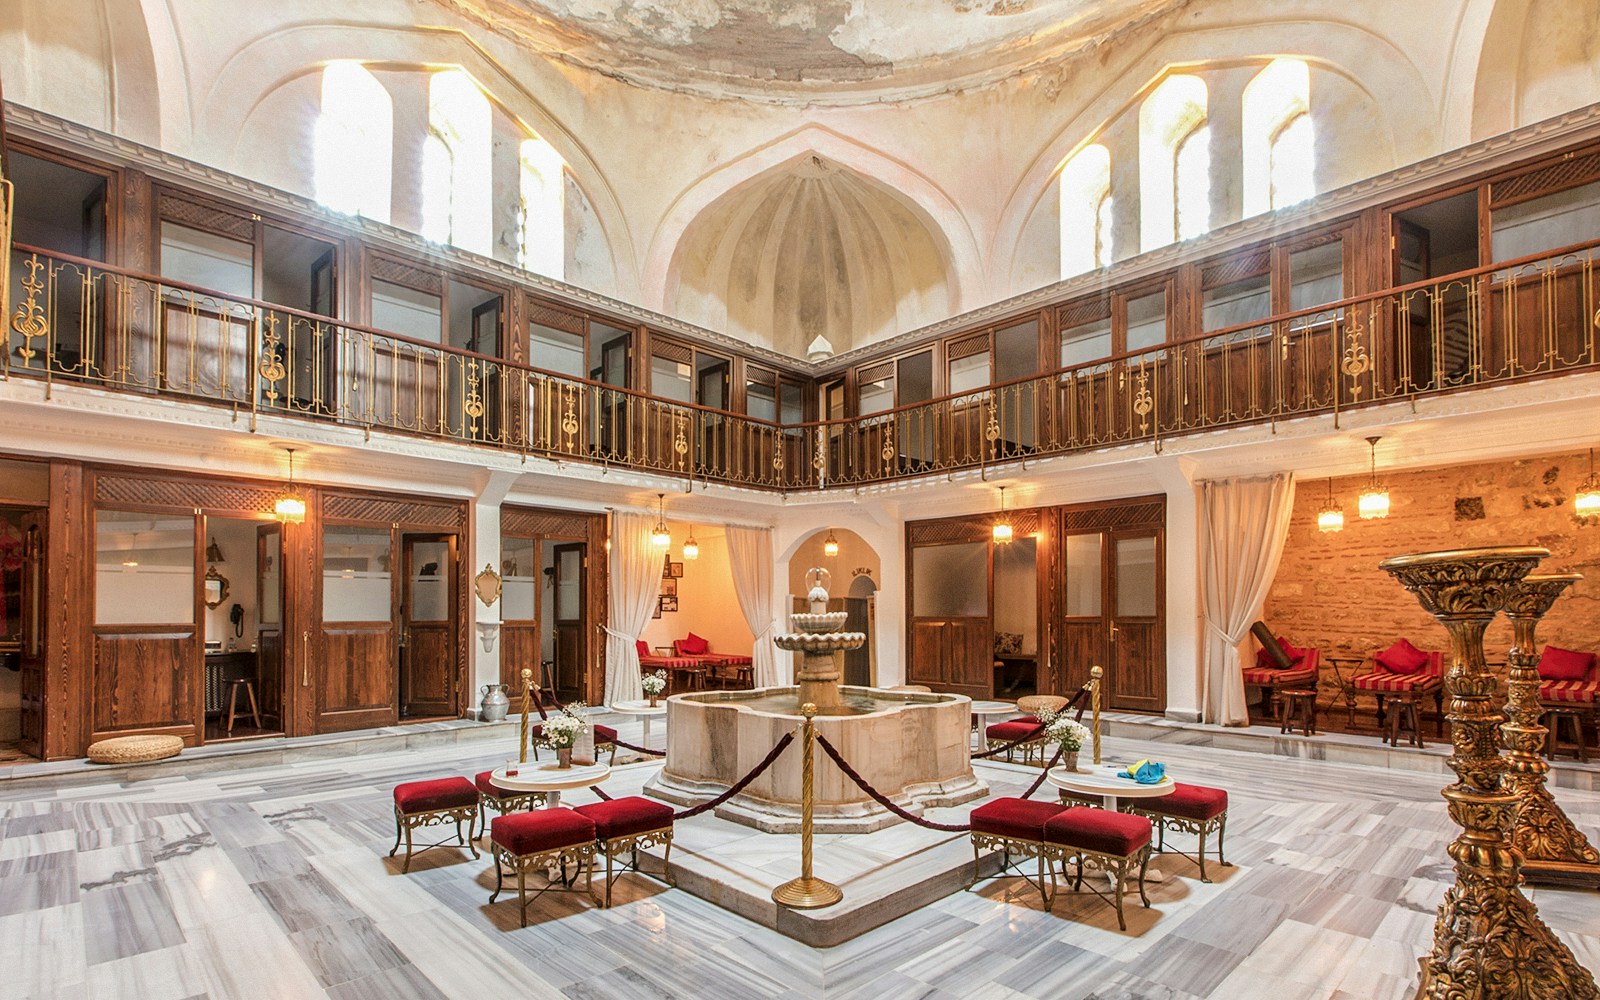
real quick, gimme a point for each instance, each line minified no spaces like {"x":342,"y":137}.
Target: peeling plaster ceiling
{"x":812,"y":50}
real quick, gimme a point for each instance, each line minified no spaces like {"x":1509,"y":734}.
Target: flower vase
{"x":563,"y":758}
{"x":1069,"y":760}
{"x":653,"y":698}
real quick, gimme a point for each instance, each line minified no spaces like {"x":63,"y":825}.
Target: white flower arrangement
{"x":654,"y":683}
{"x":1066,"y":731}
{"x":560,"y":732}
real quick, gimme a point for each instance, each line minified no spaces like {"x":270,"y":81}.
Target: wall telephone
{"x":236,"y":616}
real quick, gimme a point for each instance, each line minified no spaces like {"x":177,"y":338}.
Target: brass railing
{"x":88,"y":323}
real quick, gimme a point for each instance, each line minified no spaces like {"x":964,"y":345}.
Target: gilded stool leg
{"x":666,"y":864}
{"x":1116,"y":892}
{"x":1202,"y":854}
{"x":397,"y":828}
{"x":406,"y":868}
{"x":1144,"y":867}
{"x":1222,"y":833}
{"x":522,"y":895}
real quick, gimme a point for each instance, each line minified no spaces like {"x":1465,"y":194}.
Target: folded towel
{"x":1145,"y":772}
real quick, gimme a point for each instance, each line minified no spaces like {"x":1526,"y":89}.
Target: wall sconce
{"x":1586,"y":502}
{"x":1002,"y":528}
{"x":1374,"y":500}
{"x":660,"y":537}
{"x":1331,"y":517}
{"x":214,"y":552}
{"x":290,"y":507}
{"x":486,"y":633}
{"x":691,"y":548}
{"x":830,"y":545}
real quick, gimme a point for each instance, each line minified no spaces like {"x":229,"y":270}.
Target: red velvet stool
{"x":1192,"y":808}
{"x":1014,"y":827}
{"x":1001,"y":733}
{"x":541,"y":839}
{"x":1100,"y":838}
{"x":630,"y":823}
{"x":430,"y":803}
{"x":501,"y":800}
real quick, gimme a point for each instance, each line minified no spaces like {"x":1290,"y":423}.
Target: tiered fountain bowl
{"x":910,"y":746}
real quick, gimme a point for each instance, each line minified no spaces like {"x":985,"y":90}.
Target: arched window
{"x":1174,"y":162}
{"x":353,"y":142}
{"x":542,"y":243}
{"x":1278,"y":137}
{"x":1086,"y":236}
{"x":457,"y":179}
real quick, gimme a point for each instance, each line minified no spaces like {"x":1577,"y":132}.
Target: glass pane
{"x":208,"y":260}
{"x":711,"y":380}
{"x":916,"y":378}
{"x":877,"y":396}
{"x":474,"y":319}
{"x":556,"y":350}
{"x":1083,"y":576}
{"x":1247,"y":300}
{"x":1016,"y":351}
{"x":792,"y":403}
{"x":569,"y":573}
{"x":761,"y":401}
{"x":1541,"y":224}
{"x":1316,"y":276}
{"x":58,"y":207}
{"x":272,"y":578}
{"x":430,"y":582}
{"x":355,"y":575}
{"x":144,"y":569}
{"x":951,"y":581}
{"x":519,"y":579}
{"x":406,"y":311}
{"x":969,"y":374}
{"x":1147,"y":321}
{"x":608,"y":354}
{"x":1016,"y":592}
{"x":670,"y":380}
{"x":1136,"y":577}
{"x":1086,"y":342}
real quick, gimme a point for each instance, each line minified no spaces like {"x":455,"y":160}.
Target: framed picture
{"x":668,"y":603}
{"x":666,"y":565}
{"x":669,"y":588}
{"x":675,"y":570}
{"x":658,"y":609}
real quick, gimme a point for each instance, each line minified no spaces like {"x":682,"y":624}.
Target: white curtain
{"x":635,"y":582}
{"x":1243,"y":525}
{"x":750,"y":554}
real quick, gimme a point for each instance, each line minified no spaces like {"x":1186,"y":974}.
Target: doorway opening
{"x":242,"y":626}
{"x":22,"y":568}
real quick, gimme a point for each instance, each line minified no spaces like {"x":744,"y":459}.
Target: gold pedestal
{"x":1489,"y":943}
{"x":1553,"y":849}
{"x":807,"y":892}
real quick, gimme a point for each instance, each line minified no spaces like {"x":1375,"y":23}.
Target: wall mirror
{"x":216,"y":587}
{"x":487,"y":584}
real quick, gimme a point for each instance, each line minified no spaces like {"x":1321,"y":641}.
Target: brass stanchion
{"x":527,"y":710}
{"x":1553,"y":849}
{"x":1096,"y":673}
{"x":807,"y":892}
{"x":1488,"y":940}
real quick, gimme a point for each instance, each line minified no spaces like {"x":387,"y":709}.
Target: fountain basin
{"x":912,"y":747}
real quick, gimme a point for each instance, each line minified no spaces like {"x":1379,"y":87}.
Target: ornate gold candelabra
{"x":1488,"y":940}
{"x":807,"y":892}
{"x":1095,"y":675}
{"x":1553,"y":849}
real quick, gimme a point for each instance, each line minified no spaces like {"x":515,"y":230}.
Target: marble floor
{"x":271,"y":881}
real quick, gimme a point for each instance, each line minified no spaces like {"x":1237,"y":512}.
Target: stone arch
{"x":1536,"y":60}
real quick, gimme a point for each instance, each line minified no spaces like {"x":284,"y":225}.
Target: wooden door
{"x":1084,"y":630}
{"x":31,"y":679}
{"x":969,"y":657}
{"x":1136,"y":583}
{"x":570,"y":633}
{"x":430,"y":591}
{"x":355,"y":659}
{"x":269,"y":622}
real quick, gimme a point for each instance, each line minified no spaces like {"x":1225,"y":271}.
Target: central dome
{"x":810,"y":47}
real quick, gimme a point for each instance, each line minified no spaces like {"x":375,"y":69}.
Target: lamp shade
{"x":289,"y":508}
{"x":691,"y":548}
{"x":1002,"y":531}
{"x":1587,"y":500}
{"x":1373,"y":503}
{"x":1330,"y":519}
{"x":830,"y":546}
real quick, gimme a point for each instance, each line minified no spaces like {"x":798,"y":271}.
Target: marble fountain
{"x":912,"y":747}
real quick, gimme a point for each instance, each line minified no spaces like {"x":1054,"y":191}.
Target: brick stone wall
{"x":1329,"y":592}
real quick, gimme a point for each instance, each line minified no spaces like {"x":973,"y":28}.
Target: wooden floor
{"x":272,"y":881}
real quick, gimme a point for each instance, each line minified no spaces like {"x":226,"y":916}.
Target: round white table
{"x":981,"y":710}
{"x":644,"y":709}
{"x":545,"y":776}
{"x":1102,"y":780}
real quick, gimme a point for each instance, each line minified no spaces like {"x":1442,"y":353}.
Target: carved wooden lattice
{"x":205,"y":217}
{"x":342,"y":506}
{"x":545,"y":314}
{"x":1082,"y":311}
{"x":1151,"y":514}
{"x":526,"y":522}
{"x":1244,"y":265}
{"x":1565,"y":174}
{"x":967,"y":346}
{"x":422,"y":279}
{"x":188,"y":494}
{"x":671,"y":351}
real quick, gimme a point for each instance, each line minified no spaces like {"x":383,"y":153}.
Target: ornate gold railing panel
{"x":79,"y":321}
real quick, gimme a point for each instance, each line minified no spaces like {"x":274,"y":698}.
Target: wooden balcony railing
{"x":88,"y":323}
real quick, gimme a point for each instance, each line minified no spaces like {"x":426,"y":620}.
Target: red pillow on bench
{"x":1402,"y":658}
{"x":1264,"y":659}
{"x":694,"y":645}
{"x":1559,"y":664}
{"x":642,"y":647}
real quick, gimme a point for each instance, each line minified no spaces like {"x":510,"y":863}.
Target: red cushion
{"x":1559,"y":664}
{"x":1013,"y":729}
{"x":1264,"y":659}
{"x":1572,"y":692}
{"x":642,"y":646}
{"x":440,"y":793}
{"x":1022,"y":819}
{"x":694,"y":645}
{"x":605,"y":734}
{"x":1388,"y":682}
{"x":1098,"y":830}
{"x":1273,"y":677}
{"x":1196,"y":802}
{"x":626,"y":816}
{"x":541,"y":830}
{"x":1401,"y":658}
{"x":489,"y":788}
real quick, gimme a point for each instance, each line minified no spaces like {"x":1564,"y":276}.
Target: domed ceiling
{"x":813,"y":48}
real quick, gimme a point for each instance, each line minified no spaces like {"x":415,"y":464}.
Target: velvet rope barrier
{"x":882,"y":799}
{"x":1042,"y":774}
{"x":644,"y":750}
{"x":776,"y":751}
{"x":1032,"y":734}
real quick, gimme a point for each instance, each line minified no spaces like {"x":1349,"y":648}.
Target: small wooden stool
{"x":1297,"y":708}
{"x":233,"y":701}
{"x":1552,"y":745}
{"x":1405,"y":709}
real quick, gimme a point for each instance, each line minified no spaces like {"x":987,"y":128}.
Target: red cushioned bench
{"x":1099,"y":838}
{"x":431,"y":803}
{"x":629,"y":823}
{"x":1015,"y":826}
{"x":1192,"y":808}
{"x":536,"y":842}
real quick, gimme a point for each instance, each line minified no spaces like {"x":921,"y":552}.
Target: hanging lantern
{"x":830,"y":545}
{"x":1374,"y":500}
{"x":1586,"y":502}
{"x":1002,"y":531}
{"x":290,"y":506}
{"x":1331,"y":517}
{"x":660,"y":537}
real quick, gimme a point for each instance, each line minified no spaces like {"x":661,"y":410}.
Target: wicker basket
{"x":1031,"y":704}
{"x":134,"y":749}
